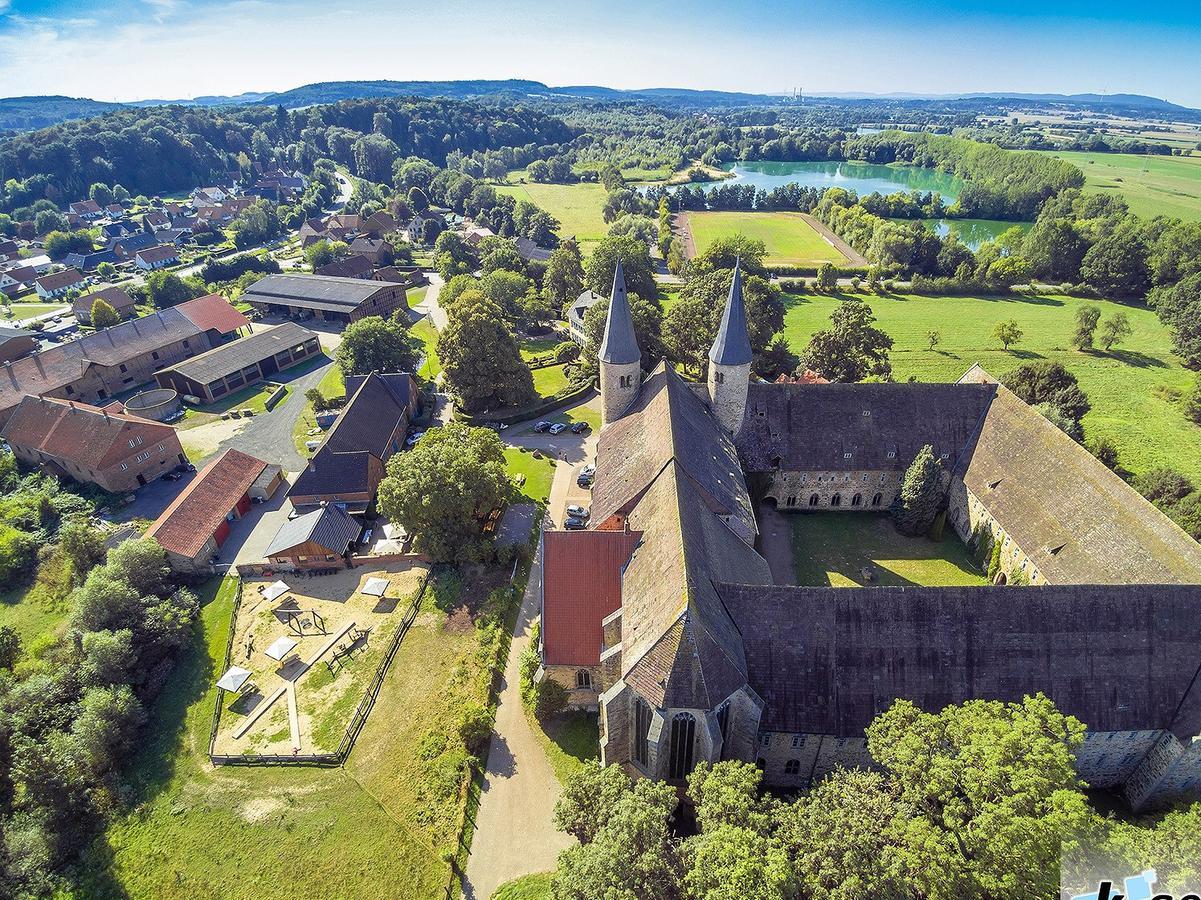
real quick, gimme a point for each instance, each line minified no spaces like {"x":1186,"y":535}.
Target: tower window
{"x":719,"y":377}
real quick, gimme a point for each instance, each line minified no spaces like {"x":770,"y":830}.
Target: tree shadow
{"x":1025,"y":354}
{"x":1135,"y":359}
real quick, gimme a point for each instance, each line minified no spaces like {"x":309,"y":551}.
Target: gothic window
{"x":791,"y":501}
{"x":723,"y":724}
{"x":719,"y":377}
{"x":877,"y":499}
{"x":836,"y":500}
{"x":683,"y":735}
{"x":857,"y":500}
{"x":642,"y":724}
{"x":583,"y":679}
{"x":792,"y":767}
{"x":813,"y":499}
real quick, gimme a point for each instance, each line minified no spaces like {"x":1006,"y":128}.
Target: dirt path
{"x":514,"y":828}
{"x":854,"y":257}
{"x":683,"y":230}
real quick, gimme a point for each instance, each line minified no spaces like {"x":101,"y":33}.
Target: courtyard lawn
{"x":1150,"y":185}
{"x":578,"y":207}
{"x":832,"y":550}
{"x":425,"y":332}
{"x":1134,"y":389}
{"x":414,"y":296}
{"x":549,"y":381}
{"x":571,"y":740}
{"x":378,"y":827}
{"x":790,"y":240}
{"x":539,"y":473}
{"x":537,"y":346}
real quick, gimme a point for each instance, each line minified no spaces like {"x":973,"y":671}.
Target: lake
{"x":864,"y":178}
{"x":973,"y":232}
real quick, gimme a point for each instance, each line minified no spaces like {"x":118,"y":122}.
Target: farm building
{"x":16,"y":342}
{"x":230,"y":367}
{"x":124,"y":304}
{"x":196,"y":524}
{"x":333,"y":299}
{"x":320,"y":539}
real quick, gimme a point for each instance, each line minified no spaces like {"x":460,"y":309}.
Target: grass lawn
{"x":531,"y":347}
{"x":585,"y":412}
{"x":1151,"y":185}
{"x":1134,"y":389}
{"x":539,"y":473}
{"x":428,"y":335}
{"x":549,"y":380}
{"x":38,"y":611}
{"x":570,"y":740}
{"x":578,"y":207}
{"x":414,"y":296}
{"x":23,"y":311}
{"x":527,"y":887}
{"x":374,"y":828}
{"x":790,"y":240}
{"x":831,"y":549}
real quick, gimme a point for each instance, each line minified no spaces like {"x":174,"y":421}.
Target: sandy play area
{"x":330,"y":637}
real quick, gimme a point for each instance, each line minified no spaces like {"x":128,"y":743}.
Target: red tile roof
{"x":213,"y":312}
{"x":581,"y":584}
{"x":196,"y":514}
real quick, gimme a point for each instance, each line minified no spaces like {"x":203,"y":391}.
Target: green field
{"x":23,"y":311}
{"x":376,"y":827}
{"x":790,"y":240}
{"x":549,"y":381}
{"x":1150,"y":185}
{"x":1134,"y":389}
{"x":832,"y":549}
{"x":578,"y":207}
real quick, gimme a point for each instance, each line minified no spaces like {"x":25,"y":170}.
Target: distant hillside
{"x":31,"y":113}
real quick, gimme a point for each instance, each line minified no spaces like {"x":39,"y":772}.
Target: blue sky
{"x":134,"y":49}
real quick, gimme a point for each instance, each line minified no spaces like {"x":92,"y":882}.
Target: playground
{"x":303,"y":654}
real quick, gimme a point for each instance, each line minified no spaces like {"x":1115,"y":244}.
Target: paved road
{"x":429,"y":303}
{"x":514,"y":826}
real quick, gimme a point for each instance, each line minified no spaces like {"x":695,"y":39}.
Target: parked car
{"x":171,"y":476}
{"x":588,"y":470}
{"x":498,"y":426}
{"x":541,"y":427}
{"x":558,"y":428}
{"x":579,"y":427}
{"x":578,"y":512}
{"x":574,"y":524}
{"x":185,"y":467}
{"x":412,"y":439}
{"x":585,"y":481}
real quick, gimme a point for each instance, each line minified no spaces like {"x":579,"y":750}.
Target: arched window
{"x":723,"y":725}
{"x":857,"y":500}
{"x":836,"y":500}
{"x":719,"y":376}
{"x":792,"y":767}
{"x":683,"y":735}
{"x":583,"y":679}
{"x":813,"y":499}
{"x":791,"y":501}
{"x":877,"y":499}
{"x":642,"y":724}
{"x":624,"y":381}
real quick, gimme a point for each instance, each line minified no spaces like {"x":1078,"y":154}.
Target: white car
{"x":579,"y":512}
{"x":588,"y":471}
{"x":558,"y":428}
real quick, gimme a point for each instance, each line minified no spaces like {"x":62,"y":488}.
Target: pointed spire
{"x":619,"y":344}
{"x":732,"y":346}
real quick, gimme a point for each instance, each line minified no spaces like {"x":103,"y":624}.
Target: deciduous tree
{"x":852,"y":348}
{"x":376,"y":344}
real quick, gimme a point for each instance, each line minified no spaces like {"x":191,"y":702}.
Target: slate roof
{"x":237,"y":355}
{"x":401,"y":385}
{"x":213,"y":313}
{"x":314,"y":291}
{"x":827,"y":660}
{"x":732,"y":345}
{"x":91,"y":437}
{"x":581,"y":586}
{"x":196,"y":514}
{"x":132,"y":243}
{"x":330,"y":527}
{"x":619,"y":345}
{"x":811,"y":427}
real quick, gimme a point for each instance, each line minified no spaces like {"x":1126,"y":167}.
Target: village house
{"x":17,"y":280}
{"x":115,"y":297}
{"x":58,"y":284}
{"x":348,"y":267}
{"x":105,"y":446}
{"x":86,"y":209}
{"x":320,"y":539}
{"x":127,"y":247}
{"x":576,"y":312}
{"x":16,"y":342}
{"x":193,"y":528}
{"x":156,"y":257}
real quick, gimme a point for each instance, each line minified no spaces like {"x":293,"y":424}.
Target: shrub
{"x":475,"y":729}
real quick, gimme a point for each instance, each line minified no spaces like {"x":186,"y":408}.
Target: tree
{"x":933,"y":338}
{"x":1116,"y":265}
{"x":104,"y":315}
{"x":1087,"y":317}
{"x":1115,"y":330}
{"x":1049,"y":382}
{"x":852,"y":348}
{"x":106,"y":270}
{"x":635,"y":261}
{"x":82,"y":545}
{"x":563,"y":280}
{"x":1179,"y":307}
{"x":165,"y":289}
{"x":443,"y":488}
{"x":827,"y":280}
{"x":1192,"y":403}
{"x":647,"y":331}
{"x":1055,"y":249}
{"x":101,"y":193}
{"x":453,"y":255}
{"x":922,"y":494}
{"x":732,"y":863}
{"x":10,"y":646}
{"x":1163,"y":486}
{"x":588,"y":799}
{"x":323,"y":252}
{"x":376,"y":344}
{"x":1060,"y":420}
{"x":728,"y":793}
{"x":692,"y":322}
{"x":1008,"y":333}
{"x":480,"y":356}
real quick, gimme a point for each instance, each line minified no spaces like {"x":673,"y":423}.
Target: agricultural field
{"x":834,"y":549}
{"x":578,"y":207}
{"x":790,"y":240}
{"x":377,"y":827}
{"x":1150,"y":185}
{"x":1135,"y":389}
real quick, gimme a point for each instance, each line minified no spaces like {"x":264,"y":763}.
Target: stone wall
{"x":568,"y":676}
{"x":967,"y":514}
{"x":727,"y":395}
{"x":818,"y":490}
{"x":619,"y":387}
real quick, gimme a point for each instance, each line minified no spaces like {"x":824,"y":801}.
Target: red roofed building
{"x":581,"y":588}
{"x":107,"y":447}
{"x":214,"y":315}
{"x":196,"y":524}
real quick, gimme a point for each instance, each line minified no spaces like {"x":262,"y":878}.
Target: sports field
{"x":578,"y":207}
{"x":790,"y":240}
{"x":1151,"y":185}
{"x":1135,"y":390}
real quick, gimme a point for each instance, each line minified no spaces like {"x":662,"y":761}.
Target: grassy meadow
{"x":790,"y":240}
{"x":1134,"y":389}
{"x":578,"y":207}
{"x":1150,"y":185}
{"x":539,"y":473}
{"x":375,"y":828}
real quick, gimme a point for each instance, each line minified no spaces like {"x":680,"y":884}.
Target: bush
{"x":551,"y":699}
{"x":475,"y":729}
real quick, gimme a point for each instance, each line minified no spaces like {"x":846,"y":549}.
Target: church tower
{"x":730,"y":361}
{"x":620,"y":360}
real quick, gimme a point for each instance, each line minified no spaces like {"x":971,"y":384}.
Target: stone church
{"x":664,"y":615}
